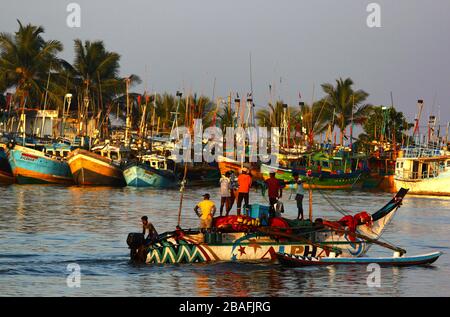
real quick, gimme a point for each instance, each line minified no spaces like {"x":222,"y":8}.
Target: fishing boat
{"x":424,"y":171}
{"x":255,"y":237}
{"x":321,"y":170}
{"x":151,"y":171}
{"x":381,"y":164}
{"x":6,"y":175}
{"x":292,"y":260}
{"x":199,"y":174}
{"x":46,"y":166}
{"x":101,"y":166}
{"x":226,"y":164}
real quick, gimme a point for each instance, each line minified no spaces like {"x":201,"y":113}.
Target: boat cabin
{"x":416,"y":165}
{"x":157,"y":162}
{"x":57,"y":151}
{"x":112,"y":152}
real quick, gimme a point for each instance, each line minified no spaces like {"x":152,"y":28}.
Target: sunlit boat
{"x":102,"y":166}
{"x":423,"y":171}
{"x":226,"y":164}
{"x":247,"y":239}
{"x":48,"y":166}
{"x":151,"y":171}
{"x":321,"y":170}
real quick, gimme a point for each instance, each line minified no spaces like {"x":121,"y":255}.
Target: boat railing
{"x":407,"y":175}
{"x":421,"y":152}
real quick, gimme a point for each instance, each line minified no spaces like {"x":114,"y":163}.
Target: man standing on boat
{"x":245,"y":183}
{"x":148,"y":226}
{"x":297,"y":184}
{"x":225,"y":193}
{"x":275,"y":192}
{"x":233,"y":188}
{"x":205,"y":210}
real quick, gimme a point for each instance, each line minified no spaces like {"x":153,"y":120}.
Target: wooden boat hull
{"x":317,"y":180}
{"x":33,"y":167}
{"x":300,"y":261}
{"x":6,"y":175}
{"x":141,"y":175}
{"x":90,"y":169}
{"x":241,"y":247}
{"x":226,"y":165}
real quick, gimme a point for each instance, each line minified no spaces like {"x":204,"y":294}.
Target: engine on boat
{"x":135,"y":240}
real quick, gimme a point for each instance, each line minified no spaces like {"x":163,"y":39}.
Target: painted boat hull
{"x":90,"y":169}
{"x":247,"y":248}
{"x":318,"y":181}
{"x":33,"y":167}
{"x":141,"y":175}
{"x":437,"y":186}
{"x":300,"y":261}
{"x":6,"y":175}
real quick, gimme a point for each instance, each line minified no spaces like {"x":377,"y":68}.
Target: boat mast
{"x":417,"y":120}
{"x":45,"y":103}
{"x":127,"y":119}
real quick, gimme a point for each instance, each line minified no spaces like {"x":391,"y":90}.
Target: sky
{"x":204,"y":46}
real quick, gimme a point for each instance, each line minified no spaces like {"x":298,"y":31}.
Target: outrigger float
{"x":245,"y":238}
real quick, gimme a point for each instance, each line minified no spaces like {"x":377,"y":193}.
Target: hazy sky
{"x":185,"y":44}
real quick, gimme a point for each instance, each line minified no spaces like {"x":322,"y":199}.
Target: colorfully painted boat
{"x":423,"y":171}
{"x":321,"y":180}
{"x":30,"y":166}
{"x":100,"y":167}
{"x":261,"y":243}
{"x":321,"y":170}
{"x":292,"y":260}
{"x":6,"y":175}
{"x":151,"y":171}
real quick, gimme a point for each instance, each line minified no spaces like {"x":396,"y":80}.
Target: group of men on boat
{"x":234,"y":188}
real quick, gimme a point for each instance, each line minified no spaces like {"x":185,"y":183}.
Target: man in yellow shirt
{"x":205,"y":210}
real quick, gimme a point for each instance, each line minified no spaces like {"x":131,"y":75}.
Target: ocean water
{"x":45,"y":229}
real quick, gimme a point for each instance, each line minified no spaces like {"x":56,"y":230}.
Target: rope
{"x":328,"y":199}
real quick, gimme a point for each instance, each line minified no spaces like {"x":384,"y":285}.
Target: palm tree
{"x":273,"y":116}
{"x":227,"y":117}
{"x":26,"y":60}
{"x":346,"y":104}
{"x":96,"y":71}
{"x":313,"y":119}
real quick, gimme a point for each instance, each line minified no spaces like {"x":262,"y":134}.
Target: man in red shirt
{"x":244,"y":183}
{"x":275,"y":192}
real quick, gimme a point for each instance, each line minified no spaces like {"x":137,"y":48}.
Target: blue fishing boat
{"x":46,"y":166}
{"x":151,"y":171}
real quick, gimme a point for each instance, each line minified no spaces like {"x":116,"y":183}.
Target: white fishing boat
{"x":423,"y":171}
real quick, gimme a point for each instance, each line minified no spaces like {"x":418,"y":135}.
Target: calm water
{"x":44,"y":228}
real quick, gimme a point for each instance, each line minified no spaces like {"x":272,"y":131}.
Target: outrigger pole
{"x":374,"y":241}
